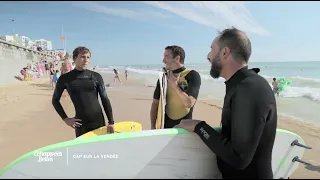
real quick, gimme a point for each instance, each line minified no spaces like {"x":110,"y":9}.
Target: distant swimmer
{"x":182,"y":92}
{"x":116,"y":76}
{"x":249,"y":115}
{"x":275,"y":87}
{"x":83,"y":86}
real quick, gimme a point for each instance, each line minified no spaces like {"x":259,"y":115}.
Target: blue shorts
{"x":275,"y":91}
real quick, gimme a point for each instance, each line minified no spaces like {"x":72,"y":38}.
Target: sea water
{"x":301,"y":100}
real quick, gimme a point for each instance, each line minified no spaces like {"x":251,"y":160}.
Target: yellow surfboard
{"x":124,"y":126}
{"x":162,"y":101}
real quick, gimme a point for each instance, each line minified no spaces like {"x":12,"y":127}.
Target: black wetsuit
{"x":194,"y":81}
{"x":83,"y":88}
{"x":249,"y":122}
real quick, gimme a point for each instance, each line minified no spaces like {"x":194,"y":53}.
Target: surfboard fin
{"x":296,"y":143}
{"x":296,"y":159}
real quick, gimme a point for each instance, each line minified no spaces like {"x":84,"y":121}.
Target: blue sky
{"x":128,"y":33}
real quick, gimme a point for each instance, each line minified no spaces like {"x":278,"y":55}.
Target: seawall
{"x":13,"y":58}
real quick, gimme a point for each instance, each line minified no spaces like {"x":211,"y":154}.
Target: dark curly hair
{"x":80,"y":50}
{"x":177,"y":51}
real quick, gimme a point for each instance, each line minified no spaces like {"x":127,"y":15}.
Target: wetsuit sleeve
{"x":194,"y":83}
{"x":60,"y":87}
{"x":248,"y":120}
{"x":104,"y":99}
{"x":156,"y":94}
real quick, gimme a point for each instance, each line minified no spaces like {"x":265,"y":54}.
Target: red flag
{"x":62,"y":38}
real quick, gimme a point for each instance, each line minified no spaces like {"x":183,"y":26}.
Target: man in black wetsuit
{"x":249,"y":115}
{"x":83,"y":87}
{"x":182,"y":91}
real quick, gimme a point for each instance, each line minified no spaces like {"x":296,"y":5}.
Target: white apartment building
{"x":44,"y":44}
{"x":25,"y":41}
{"x":32,"y":45}
{"x":14,"y":39}
{"x":8,"y":38}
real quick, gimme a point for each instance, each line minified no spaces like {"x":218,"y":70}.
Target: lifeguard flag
{"x":62,"y":38}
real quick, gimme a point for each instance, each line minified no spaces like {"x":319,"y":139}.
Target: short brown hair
{"x":177,"y":51}
{"x":238,"y":43}
{"x":80,"y":50}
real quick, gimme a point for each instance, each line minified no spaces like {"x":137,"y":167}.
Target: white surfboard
{"x":163,"y":153}
{"x":162,"y":101}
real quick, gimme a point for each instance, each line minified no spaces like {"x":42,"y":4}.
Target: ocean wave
{"x":305,"y":92}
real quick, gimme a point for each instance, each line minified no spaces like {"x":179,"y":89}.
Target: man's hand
{"x":172,"y":79}
{"x":110,"y":129}
{"x":72,"y":122}
{"x":188,"y":124}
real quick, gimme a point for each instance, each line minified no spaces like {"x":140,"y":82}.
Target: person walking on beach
{"x":83,"y":86}
{"x":52,"y":72}
{"x":65,"y":67}
{"x":116,"y":76}
{"x":182,"y":92}
{"x":126,"y":74}
{"x":275,"y":87}
{"x":55,"y":78}
{"x":249,"y":116}
{"x":46,"y":65}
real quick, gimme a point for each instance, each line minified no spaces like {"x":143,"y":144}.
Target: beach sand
{"x":29,"y":121}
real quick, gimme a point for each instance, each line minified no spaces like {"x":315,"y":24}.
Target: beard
{"x":216,"y":67}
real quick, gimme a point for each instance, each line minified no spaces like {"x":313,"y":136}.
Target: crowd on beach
{"x":36,"y":70}
{"x":45,"y":67}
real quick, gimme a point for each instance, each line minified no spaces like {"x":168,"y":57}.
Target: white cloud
{"x":215,"y":14}
{"x":139,"y":14}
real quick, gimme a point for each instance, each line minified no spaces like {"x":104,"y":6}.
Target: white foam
{"x":306,"y":92}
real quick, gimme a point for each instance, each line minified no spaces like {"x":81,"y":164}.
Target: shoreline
{"x":31,"y":122}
